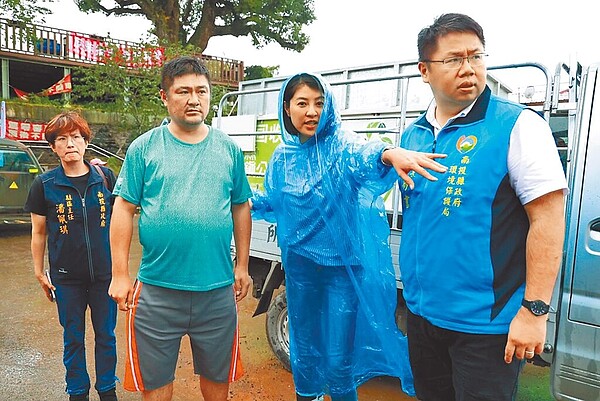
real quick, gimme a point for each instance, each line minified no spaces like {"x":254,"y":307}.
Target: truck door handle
{"x":595,"y":231}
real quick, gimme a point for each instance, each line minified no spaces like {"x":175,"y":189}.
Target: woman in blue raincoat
{"x":323,"y":188}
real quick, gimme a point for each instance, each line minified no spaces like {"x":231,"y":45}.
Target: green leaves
{"x":258,"y":72}
{"x":27,"y":11}
{"x":194,"y":22}
{"x":113,"y":87}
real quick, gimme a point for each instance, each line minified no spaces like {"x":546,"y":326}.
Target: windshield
{"x":16,"y":161}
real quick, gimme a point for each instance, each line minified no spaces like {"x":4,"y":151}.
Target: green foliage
{"x":279,"y":21}
{"x":111,"y":86}
{"x":134,"y":93}
{"x":173,"y":50}
{"x":194,"y":22}
{"x":89,"y":5}
{"x":215,"y":97}
{"x":258,"y":72}
{"x":26,"y":11}
{"x":114,"y":164}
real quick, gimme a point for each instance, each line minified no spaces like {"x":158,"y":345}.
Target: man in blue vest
{"x":482,"y":245}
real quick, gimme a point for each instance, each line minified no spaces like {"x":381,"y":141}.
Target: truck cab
{"x":575,"y":370}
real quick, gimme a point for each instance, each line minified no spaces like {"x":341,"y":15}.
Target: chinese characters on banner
{"x":90,"y":49}
{"x":83,"y":47}
{"x":62,"y":86}
{"x":24,"y":131}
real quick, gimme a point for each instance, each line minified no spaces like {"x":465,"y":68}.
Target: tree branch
{"x":196,"y":21}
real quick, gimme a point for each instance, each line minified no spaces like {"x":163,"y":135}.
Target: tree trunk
{"x":206,"y":28}
{"x":167,"y":21}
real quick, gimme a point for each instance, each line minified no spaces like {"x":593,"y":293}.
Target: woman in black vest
{"x":70,"y":210}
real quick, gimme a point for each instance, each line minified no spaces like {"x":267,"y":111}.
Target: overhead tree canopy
{"x":23,"y":10}
{"x":258,"y":72}
{"x":194,"y":22}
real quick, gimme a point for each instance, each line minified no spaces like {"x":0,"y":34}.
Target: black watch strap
{"x":537,"y":307}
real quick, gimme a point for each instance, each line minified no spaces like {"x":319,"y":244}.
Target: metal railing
{"x":402,"y":113}
{"x":58,"y":46}
{"x":97,"y":150}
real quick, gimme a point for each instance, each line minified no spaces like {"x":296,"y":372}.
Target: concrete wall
{"x":43,"y":113}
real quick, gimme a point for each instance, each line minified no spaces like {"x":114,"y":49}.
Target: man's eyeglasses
{"x":454,"y":63}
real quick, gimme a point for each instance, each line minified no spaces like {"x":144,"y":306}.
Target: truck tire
{"x":277,"y":329}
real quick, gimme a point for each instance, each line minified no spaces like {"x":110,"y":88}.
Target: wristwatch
{"x":537,"y":307}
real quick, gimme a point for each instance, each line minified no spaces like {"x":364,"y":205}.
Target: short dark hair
{"x":179,"y":66}
{"x":290,"y":89}
{"x":427,"y":40}
{"x":64,"y":123}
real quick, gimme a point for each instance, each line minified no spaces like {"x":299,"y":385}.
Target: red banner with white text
{"x":95,"y":50}
{"x":62,"y":86}
{"x":24,"y":130}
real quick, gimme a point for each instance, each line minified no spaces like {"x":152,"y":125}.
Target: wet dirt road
{"x":31,"y":346}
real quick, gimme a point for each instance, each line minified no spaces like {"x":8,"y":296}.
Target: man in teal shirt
{"x":188,"y":180}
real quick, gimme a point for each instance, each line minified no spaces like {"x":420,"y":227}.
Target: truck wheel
{"x":277,"y":329}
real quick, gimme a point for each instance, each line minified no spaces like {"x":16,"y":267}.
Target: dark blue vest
{"x":78,"y":227}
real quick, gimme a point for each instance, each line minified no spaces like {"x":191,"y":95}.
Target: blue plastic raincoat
{"x":324,"y":195}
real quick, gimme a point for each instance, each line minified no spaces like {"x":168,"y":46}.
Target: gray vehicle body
{"x":570,"y":100}
{"x":575,"y":373}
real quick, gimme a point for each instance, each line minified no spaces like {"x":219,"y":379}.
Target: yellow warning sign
{"x":13,"y":185}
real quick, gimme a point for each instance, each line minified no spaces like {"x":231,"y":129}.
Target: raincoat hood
{"x":330,"y":120}
{"x":325,"y":196}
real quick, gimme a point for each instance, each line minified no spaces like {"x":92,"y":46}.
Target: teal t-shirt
{"x":185,"y":192}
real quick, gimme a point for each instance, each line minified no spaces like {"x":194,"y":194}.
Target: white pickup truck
{"x":569,"y":98}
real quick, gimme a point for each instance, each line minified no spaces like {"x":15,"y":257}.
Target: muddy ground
{"x":31,"y":346}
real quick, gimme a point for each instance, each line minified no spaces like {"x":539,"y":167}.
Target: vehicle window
{"x":559,"y":125}
{"x":15,"y":160}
